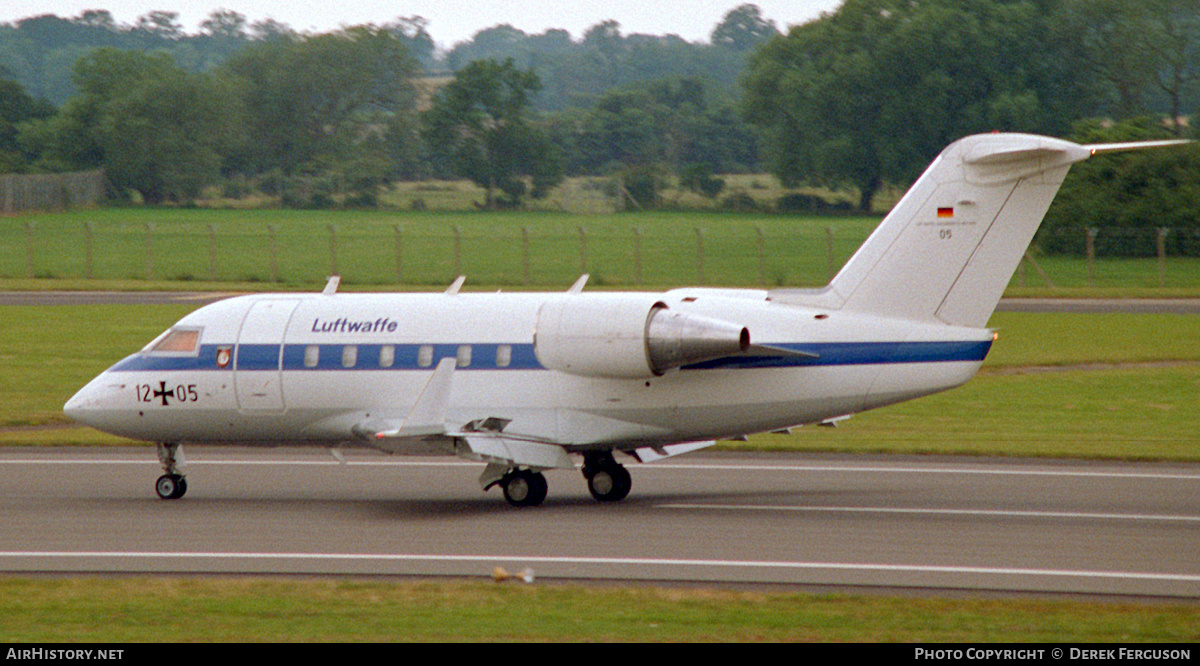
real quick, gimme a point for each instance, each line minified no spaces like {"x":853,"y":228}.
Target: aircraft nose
{"x":82,"y":406}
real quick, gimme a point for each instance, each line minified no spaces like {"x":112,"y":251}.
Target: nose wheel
{"x":173,"y":484}
{"x":170,"y":486}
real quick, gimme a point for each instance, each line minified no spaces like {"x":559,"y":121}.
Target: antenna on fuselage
{"x":577,"y":288}
{"x":456,"y":285}
{"x":331,"y":285}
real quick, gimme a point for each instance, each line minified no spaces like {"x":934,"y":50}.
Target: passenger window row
{"x":387,"y":356}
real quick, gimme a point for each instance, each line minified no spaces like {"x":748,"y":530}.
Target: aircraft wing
{"x":428,"y":415}
{"x":483,"y":439}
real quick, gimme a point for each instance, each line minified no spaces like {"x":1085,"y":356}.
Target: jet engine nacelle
{"x":631,"y":336}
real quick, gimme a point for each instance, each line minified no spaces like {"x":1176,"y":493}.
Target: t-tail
{"x":948,"y":249}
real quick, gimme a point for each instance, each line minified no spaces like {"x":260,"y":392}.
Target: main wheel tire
{"x":524,"y":487}
{"x":170,"y":486}
{"x":610,"y":483}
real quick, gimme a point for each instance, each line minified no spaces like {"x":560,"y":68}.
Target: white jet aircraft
{"x":524,"y":382}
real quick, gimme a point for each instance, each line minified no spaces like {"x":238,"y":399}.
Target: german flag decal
{"x":946,"y":211}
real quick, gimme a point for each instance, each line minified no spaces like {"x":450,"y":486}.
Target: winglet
{"x":428,"y":415}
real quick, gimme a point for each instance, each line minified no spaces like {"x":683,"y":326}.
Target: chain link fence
{"x":716,"y":251}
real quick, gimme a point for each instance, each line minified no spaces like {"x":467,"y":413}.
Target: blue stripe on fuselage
{"x":857,"y":353}
{"x":484,"y":356}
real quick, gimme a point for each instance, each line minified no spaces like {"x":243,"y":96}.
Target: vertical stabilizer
{"x":948,"y":249}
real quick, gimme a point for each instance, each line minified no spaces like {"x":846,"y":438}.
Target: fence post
{"x":830,"y":269}
{"x":87,"y":247}
{"x":762,"y":256}
{"x":399,"y":253}
{"x":582,"y":251}
{"x":637,"y":254}
{"x":274,"y":254}
{"x":1162,"y":255}
{"x":700,"y":255}
{"x":457,"y":250}
{"x":525,"y":256}
{"x":333,"y":258}
{"x":212,"y":252}
{"x":1091,"y":255}
{"x":149,"y":251}
{"x":29,"y":249}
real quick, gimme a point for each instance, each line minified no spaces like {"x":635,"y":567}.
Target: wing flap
{"x":513,"y":452}
{"x":649,"y":454}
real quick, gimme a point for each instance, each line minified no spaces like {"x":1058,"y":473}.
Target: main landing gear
{"x":608,"y":481}
{"x":524,"y":487}
{"x":173,"y":484}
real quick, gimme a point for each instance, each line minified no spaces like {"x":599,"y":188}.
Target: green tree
{"x":743,"y":28}
{"x":328,"y":102}
{"x":16,"y":107}
{"x":156,"y":129}
{"x":870,"y":93}
{"x":1127,"y":196}
{"x":666,"y":124}
{"x":480,"y":127}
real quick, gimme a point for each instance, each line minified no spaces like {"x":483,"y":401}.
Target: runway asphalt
{"x":818,"y":521}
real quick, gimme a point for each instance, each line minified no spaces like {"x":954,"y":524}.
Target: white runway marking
{"x":945,"y":512}
{"x":608,"y":561}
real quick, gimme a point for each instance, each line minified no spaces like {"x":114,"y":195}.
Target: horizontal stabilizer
{"x":947,"y":250}
{"x":1098,"y":148}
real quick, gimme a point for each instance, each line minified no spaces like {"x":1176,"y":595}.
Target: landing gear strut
{"x":607,"y":480}
{"x":173,"y":484}
{"x":524,"y":487}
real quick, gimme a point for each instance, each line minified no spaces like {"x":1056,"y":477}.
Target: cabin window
{"x":387,"y":356}
{"x":463,"y":356}
{"x":176,"y":341}
{"x":503,"y":356}
{"x":425,"y":356}
{"x":312,"y":356}
{"x":349,"y":356}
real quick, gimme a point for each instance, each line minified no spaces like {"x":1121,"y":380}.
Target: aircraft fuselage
{"x":285,"y":368}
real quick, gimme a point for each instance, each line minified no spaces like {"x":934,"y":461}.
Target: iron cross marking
{"x":163,"y":393}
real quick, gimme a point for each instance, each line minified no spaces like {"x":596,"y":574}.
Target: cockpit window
{"x":176,"y":341}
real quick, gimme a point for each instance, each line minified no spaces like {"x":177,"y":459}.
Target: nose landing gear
{"x":173,"y":484}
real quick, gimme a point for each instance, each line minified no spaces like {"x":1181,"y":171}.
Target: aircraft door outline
{"x":258,"y":361}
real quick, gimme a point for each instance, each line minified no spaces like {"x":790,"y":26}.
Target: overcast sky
{"x":449,"y":20}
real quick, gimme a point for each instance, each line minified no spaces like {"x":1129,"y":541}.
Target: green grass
{"x":134,"y":247}
{"x":40,"y":610}
{"x":1121,"y":414}
{"x":506,"y":249}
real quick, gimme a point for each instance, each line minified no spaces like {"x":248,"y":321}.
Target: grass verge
{"x":51,"y":610}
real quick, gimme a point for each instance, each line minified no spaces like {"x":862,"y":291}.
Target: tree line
{"x":858,"y":99}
